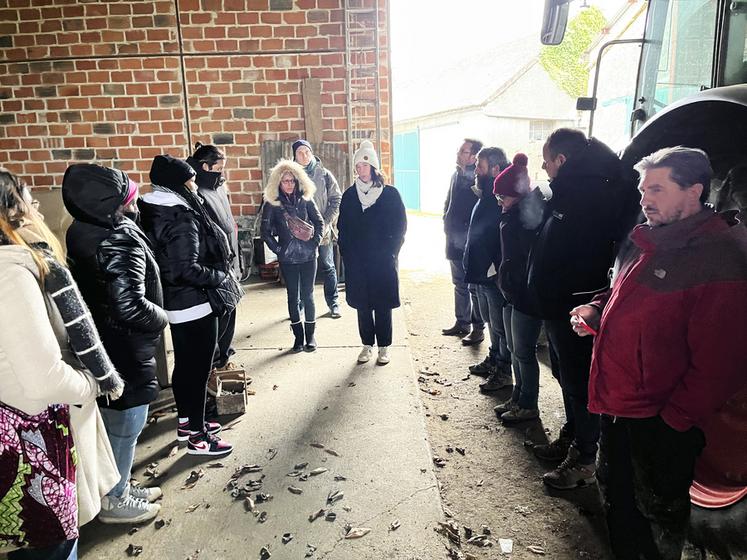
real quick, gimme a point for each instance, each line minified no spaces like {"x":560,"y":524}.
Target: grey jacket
{"x":327,"y":199}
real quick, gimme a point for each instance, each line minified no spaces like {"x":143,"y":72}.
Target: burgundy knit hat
{"x":514,"y":180}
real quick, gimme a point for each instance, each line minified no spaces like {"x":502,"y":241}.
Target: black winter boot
{"x":297,"y":329}
{"x":310,"y":340}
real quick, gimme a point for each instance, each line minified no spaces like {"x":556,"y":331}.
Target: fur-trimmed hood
{"x":305,"y":184}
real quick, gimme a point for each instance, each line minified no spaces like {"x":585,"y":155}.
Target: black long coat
{"x":369,"y":243}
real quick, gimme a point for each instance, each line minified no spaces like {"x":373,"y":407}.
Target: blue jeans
{"x":326,"y":263}
{"x":466,"y":308}
{"x":299,"y":284}
{"x":522,"y":332}
{"x":67,"y":550}
{"x":491,"y":302}
{"x":123,"y":428}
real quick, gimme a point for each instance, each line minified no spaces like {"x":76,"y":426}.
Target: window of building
{"x":539,"y":130}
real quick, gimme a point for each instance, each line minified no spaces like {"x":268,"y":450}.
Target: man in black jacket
{"x":482,"y":259}
{"x":568,"y":265}
{"x":116,"y":271}
{"x":457,"y":212}
{"x":209,"y":161}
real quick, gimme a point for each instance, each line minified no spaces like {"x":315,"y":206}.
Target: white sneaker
{"x":127,"y":509}
{"x":383,"y":358}
{"x":365,"y":354}
{"x":150,"y":495}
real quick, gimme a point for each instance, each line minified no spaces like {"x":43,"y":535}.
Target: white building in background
{"x":502,"y":97}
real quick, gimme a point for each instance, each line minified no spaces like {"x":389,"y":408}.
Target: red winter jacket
{"x":674,"y":325}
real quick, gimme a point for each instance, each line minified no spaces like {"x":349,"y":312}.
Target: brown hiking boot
{"x":571,"y":473}
{"x":556,"y":450}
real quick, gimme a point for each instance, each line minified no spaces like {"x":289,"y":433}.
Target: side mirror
{"x":586,"y":104}
{"x":554,"y":21}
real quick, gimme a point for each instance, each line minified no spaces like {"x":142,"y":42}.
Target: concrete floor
{"x":370,"y":415}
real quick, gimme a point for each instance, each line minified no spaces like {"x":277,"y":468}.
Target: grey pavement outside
{"x":370,"y":415}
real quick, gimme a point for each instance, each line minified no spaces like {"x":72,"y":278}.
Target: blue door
{"x":407,"y":168}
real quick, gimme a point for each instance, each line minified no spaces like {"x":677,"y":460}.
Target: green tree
{"x":564,"y":63}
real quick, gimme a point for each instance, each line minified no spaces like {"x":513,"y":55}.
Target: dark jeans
{"x":299,"y":284}
{"x":194,"y":347}
{"x":491,"y":303}
{"x":226,"y":330}
{"x":326,"y":263}
{"x":375,"y":325}
{"x":574,"y":360}
{"x":522,"y":332}
{"x":645,"y":472}
{"x":63,"y":551}
{"x":466,"y":308}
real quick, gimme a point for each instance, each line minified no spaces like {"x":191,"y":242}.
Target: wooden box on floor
{"x":230,"y":396}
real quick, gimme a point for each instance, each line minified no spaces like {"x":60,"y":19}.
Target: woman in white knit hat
{"x":372,"y":227}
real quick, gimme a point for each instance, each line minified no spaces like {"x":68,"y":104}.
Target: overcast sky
{"x":425,"y":32}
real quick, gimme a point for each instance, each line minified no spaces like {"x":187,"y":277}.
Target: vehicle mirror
{"x":586,"y":104}
{"x":554,"y":21}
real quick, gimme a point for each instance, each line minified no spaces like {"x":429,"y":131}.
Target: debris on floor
{"x":287,"y":537}
{"x":357,"y":532}
{"x":134,"y":550}
{"x":394,"y":525}
{"x":450,"y":530}
{"x":316,"y":515}
{"x":193,"y":478}
{"x":507,"y":545}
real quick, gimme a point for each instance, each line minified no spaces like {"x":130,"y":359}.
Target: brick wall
{"x":104,"y":81}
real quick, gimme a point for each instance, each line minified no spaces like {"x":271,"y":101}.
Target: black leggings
{"x":194,"y":347}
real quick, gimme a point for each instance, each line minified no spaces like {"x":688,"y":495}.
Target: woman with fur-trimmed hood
{"x":292,"y":228}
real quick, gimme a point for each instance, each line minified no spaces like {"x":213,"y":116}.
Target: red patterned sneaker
{"x":182,"y":430}
{"x":207,"y":444}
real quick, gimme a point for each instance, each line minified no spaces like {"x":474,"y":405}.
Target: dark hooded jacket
{"x":574,"y":249}
{"x":212,"y":188}
{"x":483,"y":248}
{"x":275,"y":230}
{"x":460,"y":201}
{"x":116,"y":271}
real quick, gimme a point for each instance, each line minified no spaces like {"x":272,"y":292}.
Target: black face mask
{"x":209,"y":179}
{"x":134,"y":216}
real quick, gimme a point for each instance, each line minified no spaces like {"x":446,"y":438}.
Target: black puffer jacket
{"x":574,"y":248}
{"x":189,"y":253}
{"x":275,"y":231}
{"x":114,"y":267}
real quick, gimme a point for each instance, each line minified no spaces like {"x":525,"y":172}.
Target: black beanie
{"x":170,"y":172}
{"x":298,"y":143}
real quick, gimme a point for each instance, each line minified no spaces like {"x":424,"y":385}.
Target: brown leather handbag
{"x":300,"y":229}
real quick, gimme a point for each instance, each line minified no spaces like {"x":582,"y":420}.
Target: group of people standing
{"x":132,"y":268}
{"x":135,"y":265}
{"x":304,"y":211}
{"x":645,"y":330}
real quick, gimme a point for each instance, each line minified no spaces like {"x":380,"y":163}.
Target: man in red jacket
{"x":669,"y":352}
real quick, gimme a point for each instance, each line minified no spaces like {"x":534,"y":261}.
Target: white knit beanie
{"x":366,"y":154}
